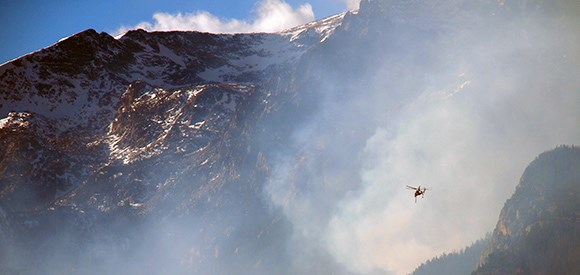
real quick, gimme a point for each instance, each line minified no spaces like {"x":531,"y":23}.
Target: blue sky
{"x":30,"y":25}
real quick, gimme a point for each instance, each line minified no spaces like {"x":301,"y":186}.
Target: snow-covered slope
{"x":82,"y":78}
{"x":317,"y":31}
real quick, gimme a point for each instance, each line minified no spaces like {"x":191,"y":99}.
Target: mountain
{"x":81,"y":89}
{"x":537,"y":231}
{"x":163,"y":133}
{"x":189,"y":152}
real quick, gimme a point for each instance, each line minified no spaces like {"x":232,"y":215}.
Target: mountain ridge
{"x":537,"y":228}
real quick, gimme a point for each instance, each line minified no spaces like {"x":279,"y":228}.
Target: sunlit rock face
{"x":188,"y":152}
{"x":537,"y":228}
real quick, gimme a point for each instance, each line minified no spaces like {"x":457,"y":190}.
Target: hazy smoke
{"x":462,"y":114}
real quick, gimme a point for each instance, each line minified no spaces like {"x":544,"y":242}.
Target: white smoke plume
{"x":466,"y":131}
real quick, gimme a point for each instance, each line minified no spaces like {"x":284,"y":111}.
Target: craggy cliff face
{"x":186,"y":152}
{"x":537,"y":229}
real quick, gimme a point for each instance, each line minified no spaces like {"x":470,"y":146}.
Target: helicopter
{"x":418,"y":191}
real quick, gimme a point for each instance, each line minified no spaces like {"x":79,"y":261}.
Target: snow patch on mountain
{"x":15,"y":119}
{"x":161,"y":118}
{"x":171,"y":55}
{"x":317,"y":30}
{"x":261,"y":53}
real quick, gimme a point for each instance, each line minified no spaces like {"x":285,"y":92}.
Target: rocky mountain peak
{"x":546,"y":188}
{"x":537,"y":228}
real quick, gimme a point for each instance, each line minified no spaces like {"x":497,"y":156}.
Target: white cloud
{"x":270,"y":16}
{"x":352,"y":4}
